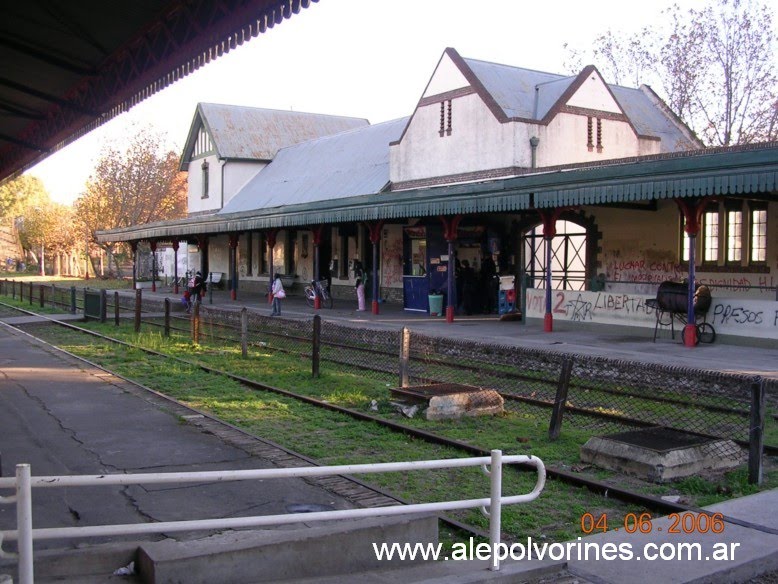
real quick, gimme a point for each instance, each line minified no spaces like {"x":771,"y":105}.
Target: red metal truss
{"x":185,"y":36}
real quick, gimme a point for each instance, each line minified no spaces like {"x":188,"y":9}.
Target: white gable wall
{"x":447,"y":77}
{"x":237,"y":174}
{"x":195,"y":201}
{"x":565,"y":140}
{"x":234,"y":175}
{"x":594,"y":94}
{"x":477,"y":141}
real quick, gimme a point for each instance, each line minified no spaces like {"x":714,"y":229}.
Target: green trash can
{"x":436,"y":304}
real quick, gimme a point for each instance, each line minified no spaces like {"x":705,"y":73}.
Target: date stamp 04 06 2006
{"x":641,"y":523}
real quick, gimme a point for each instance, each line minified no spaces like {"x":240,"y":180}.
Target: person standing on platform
{"x":278,"y":293}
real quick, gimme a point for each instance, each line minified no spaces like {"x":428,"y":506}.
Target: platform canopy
{"x":70,"y":66}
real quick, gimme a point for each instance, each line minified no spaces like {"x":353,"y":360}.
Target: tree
{"x":20,"y":193}
{"x":131,"y":187}
{"x":716,"y":67}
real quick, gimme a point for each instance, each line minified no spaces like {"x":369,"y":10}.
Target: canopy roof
{"x":69,"y":66}
{"x":745,"y":171}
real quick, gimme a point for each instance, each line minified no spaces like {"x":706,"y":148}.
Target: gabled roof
{"x":332,"y":167}
{"x":250,"y":133}
{"x":517,"y":94}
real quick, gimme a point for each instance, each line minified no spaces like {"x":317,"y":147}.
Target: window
{"x":290,"y":253}
{"x":734,"y":247}
{"x":685,"y":239}
{"x":249,"y":253}
{"x":759,"y":234}
{"x":445,"y":118}
{"x":205,"y":177}
{"x":568,"y":256}
{"x":710,"y":237}
{"x":599,"y":135}
{"x":590,"y":133}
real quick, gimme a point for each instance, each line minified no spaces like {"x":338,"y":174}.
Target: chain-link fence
{"x":594,"y":395}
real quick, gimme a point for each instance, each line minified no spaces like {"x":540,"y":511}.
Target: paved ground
{"x":64,"y":417}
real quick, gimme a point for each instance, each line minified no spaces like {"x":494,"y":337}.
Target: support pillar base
{"x":375,"y":306}
{"x":690,"y":336}
{"x":449,"y":314}
{"x":317,"y":303}
{"x":548,"y":323}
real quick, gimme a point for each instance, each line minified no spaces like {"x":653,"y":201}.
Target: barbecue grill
{"x":670,"y":305}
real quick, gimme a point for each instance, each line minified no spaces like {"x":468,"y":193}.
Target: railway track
{"x":598,"y":487}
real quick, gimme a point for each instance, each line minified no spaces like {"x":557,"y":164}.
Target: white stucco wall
{"x":236,"y":175}
{"x":446,"y":77}
{"x":593,"y":94}
{"x":643,"y":247}
{"x":477,"y":142}
{"x":195,"y":201}
{"x":565,"y":141}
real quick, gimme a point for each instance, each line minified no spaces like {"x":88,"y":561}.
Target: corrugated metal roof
{"x":513,"y":88}
{"x":529,"y":94}
{"x":250,"y":133}
{"x":333,"y":167}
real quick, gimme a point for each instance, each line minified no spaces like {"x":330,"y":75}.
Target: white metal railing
{"x":23,"y":483}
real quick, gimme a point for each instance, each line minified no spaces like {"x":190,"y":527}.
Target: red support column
{"x":271,"y":244}
{"x":202,"y":245}
{"x":316,"y":231}
{"x":175,"y":267}
{"x":234,"y":239}
{"x":692,"y":210}
{"x":134,"y":248}
{"x":153,"y":245}
{"x":549,"y":219}
{"x":375,"y":237}
{"x":450,"y":226}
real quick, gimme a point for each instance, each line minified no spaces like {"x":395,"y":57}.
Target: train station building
{"x":588,"y":194}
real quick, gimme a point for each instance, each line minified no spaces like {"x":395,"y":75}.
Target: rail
{"x":23,"y":483}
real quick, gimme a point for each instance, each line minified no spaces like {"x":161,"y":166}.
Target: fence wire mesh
{"x":602,"y":396}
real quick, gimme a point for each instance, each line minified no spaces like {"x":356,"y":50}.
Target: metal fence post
{"x":116,"y":308}
{"x":244,"y":332}
{"x":495,"y":507}
{"x":196,"y":323}
{"x":138,"y":304}
{"x":756,"y":432}
{"x":405,"y":356}
{"x":41,"y":295}
{"x":316,"y":347}
{"x":555,"y":427}
{"x":13,"y":289}
{"x":167,"y":317}
{"x":24,"y":522}
{"x":103,"y":305}
{"x":30,"y":294}
{"x":72,"y":300}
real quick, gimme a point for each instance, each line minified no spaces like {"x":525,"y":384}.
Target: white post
{"x":24,"y":522}
{"x":495,"y":508}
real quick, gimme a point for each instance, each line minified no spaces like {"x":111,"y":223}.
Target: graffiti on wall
{"x":736,"y":316}
{"x":646,"y":274}
{"x":391,"y":258}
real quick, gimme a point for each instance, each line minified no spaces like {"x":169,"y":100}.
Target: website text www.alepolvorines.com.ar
{"x":572,"y":550}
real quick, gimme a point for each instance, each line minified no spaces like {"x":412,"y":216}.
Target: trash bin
{"x":436,"y":304}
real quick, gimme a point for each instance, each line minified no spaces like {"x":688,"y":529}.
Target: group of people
{"x":477,"y":292}
{"x":194,"y":292}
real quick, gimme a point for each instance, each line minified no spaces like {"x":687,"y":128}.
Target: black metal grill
{"x":671,"y":304}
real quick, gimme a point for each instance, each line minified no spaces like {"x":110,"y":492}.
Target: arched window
{"x":568,"y":256}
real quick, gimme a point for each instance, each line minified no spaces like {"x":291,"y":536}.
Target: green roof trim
{"x":737,"y":171}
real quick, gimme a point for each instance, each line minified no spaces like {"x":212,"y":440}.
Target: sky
{"x":363,"y":58}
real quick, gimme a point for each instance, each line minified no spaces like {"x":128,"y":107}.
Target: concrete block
{"x":486,"y":402}
{"x":274,"y":555}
